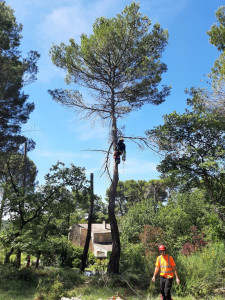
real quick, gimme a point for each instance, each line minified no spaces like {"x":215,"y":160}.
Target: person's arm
{"x":155,"y":273}
{"x":175,"y":272}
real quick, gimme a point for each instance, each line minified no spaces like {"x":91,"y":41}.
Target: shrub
{"x":197,"y":244}
{"x":91,"y":259}
{"x":52,"y":292}
{"x":151,"y":237}
{"x":203,"y":271}
{"x":10,"y":272}
{"x":56,"y":283}
{"x":100,"y":266}
{"x":56,"y":291}
{"x":133,"y":259}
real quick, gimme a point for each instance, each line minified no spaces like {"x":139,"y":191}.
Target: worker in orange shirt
{"x":166,"y":264}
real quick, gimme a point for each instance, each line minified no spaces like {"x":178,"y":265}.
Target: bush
{"x":61,"y":254}
{"x":133,"y":259}
{"x":56,"y":291}
{"x":197,"y":244}
{"x":52,"y":292}
{"x":56,"y":283}
{"x":202,"y":272}
{"x":65,"y":254}
{"x":100,"y":267}
{"x":10,"y":272}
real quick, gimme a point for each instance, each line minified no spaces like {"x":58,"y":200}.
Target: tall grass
{"x":42,"y":284}
{"x":202,"y":272}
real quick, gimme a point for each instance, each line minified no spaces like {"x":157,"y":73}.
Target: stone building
{"x":101,"y":239}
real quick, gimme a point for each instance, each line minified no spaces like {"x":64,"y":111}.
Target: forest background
{"x":183,"y":209}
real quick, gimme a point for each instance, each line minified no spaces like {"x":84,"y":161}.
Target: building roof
{"x":97,"y":228}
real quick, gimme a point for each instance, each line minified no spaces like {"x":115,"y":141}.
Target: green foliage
{"x":40,"y":219}
{"x":194,"y":148}
{"x":64,"y":254}
{"x":182,"y":212}
{"x":61,"y":253}
{"x":12,"y":173}
{"x":130,"y":192}
{"x":44,"y":284}
{"x":76,"y":256}
{"x":133,"y":259}
{"x":54,"y":292}
{"x":15,"y":74}
{"x":202,"y":272}
{"x":217,"y":38}
{"x":133,"y":223}
{"x":120,"y":63}
{"x":100,"y":266}
{"x":92,"y":258}
{"x":10,"y":272}
{"x":151,"y":238}
{"x":121,"y":49}
{"x":54,"y":283}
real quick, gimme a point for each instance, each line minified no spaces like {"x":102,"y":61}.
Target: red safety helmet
{"x":162,"y":248}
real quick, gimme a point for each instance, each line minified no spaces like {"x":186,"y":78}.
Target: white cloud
{"x":60,"y":23}
{"x":63,"y":23}
{"x":55,"y":21}
{"x":71,"y":19}
{"x":58,"y":20}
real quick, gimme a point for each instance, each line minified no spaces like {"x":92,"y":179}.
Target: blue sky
{"x":58,"y":132}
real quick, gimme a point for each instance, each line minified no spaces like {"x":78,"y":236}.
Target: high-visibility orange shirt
{"x":166,"y":264}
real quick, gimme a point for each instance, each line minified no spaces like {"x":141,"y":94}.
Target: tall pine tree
{"x":15,"y":73}
{"x":120,"y":64}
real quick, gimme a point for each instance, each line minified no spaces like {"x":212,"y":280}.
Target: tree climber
{"x":120,"y":150}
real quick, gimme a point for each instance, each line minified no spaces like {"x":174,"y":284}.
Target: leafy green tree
{"x":194,"y":147}
{"x":17,"y":176}
{"x":217,"y":38}
{"x":186,"y":219}
{"x":47,"y":209}
{"x":129,"y":192}
{"x":158,"y":190}
{"x":120,"y":64}
{"x":15,"y":74}
{"x":215,"y":98}
{"x":183,"y":212}
{"x":133,"y":261}
{"x":132,"y":224}
{"x":100,"y":210}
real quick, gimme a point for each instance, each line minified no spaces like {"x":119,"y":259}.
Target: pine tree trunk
{"x":113,"y":266}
